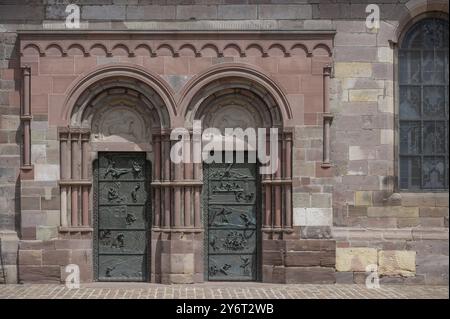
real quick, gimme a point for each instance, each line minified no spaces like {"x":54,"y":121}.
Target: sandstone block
{"x":56,"y":257}
{"x":363,"y":198}
{"x":366,"y":95}
{"x":285,"y":12}
{"x":321,"y":200}
{"x":397,"y":262}
{"x":198,"y":12}
{"x":345,"y":277}
{"x":107,"y":12}
{"x":40,"y":274}
{"x":30,"y":257}
{"x":312,"y":216}
{"x":307,"y":258}
{"x":353,"y":69}
{"x":316,"y":275}
{"x":301,"y":200}
{"x":46,"y":232}
{"x":355,"y":259}
{"x":393,"y":211}
{"x":237,"y":12}
{"x":182,"y":263}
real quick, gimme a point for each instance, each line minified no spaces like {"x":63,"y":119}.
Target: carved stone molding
{"x":197,"y":44}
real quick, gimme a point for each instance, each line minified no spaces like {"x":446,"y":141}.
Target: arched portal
{"x":240,"y":205}
{"x":109,"y":151}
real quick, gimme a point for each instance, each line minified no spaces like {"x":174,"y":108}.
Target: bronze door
{"x":122,"y":202}
{"x":230,"y":204}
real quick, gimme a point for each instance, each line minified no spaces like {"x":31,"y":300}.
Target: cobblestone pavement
{"x":218,"y":291}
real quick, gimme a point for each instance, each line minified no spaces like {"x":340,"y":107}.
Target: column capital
{"x":26,"y":70}
{"x":327,"y":70}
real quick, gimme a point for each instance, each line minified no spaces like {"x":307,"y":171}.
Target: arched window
{"x":423,"y":112}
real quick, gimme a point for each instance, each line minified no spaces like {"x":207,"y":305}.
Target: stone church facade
{"x":362,"y":118}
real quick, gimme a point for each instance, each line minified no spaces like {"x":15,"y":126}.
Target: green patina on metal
{"x":122,"y":202}
{"x":230,"y":204}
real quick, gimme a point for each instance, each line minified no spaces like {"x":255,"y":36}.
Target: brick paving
{"x":219,"y":291}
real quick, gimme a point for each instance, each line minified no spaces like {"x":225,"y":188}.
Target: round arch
{"x":148,"y":84}
{"x":418,"y":10}
{"x":242,"y":79}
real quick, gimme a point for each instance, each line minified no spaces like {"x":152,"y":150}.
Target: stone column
{"x":327,"y":116}
{"x":75,"y":176}
{"x":188,"y":176}
{"x":267,"y":206}
{"x":177,"y":196}
{"x":277,"y":219}
{"x":65,"y":174}
{"x":26,"y":117}
{"x":288,"y":178}
{"x":85,"y":177}
{"x":268,"y":222}
{"x":167,"y":197}
{"x":196,"y":139}
{"x":157,"y":178}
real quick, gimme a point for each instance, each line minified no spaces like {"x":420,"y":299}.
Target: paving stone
{"x":222,"y":290}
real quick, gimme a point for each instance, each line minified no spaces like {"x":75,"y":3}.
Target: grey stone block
{"x":107,"y":12}
{"x":237,"y":12}
{"x":9,"y":244}
{"x":345,"y":277}
{"x":56,"y":12}
{"x":21,"y":12}
{"x":316,"y":275}
{"x":198,"y":12}
{"x":151,"y":12}
{"x":284,"y":12}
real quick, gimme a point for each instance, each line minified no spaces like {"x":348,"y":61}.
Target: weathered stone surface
{"x":310,"y":245}
{"x":321,"y":200}
{"x":434,"y":266}
{"x":428,"y":247}
{"x":344,"y":277}
{"x":322,"y":275}
{"x":312,"y":216}
{"x":273,"y":258}
{"x":56,"y":257}
{"x":367,"y":95}
{"x":237,"y":12}
{"x":315,"y":232}
{"x":106,"y":12}
{"x":418,"y":199}
{"x":150,"y":12}
{"x":30,"y":257}
{"x":46,"y":232}
{"x":393,"y":211}
{"x":285,"y":12}
{"x":302,"y":259}
{"x":397,"y":262}
{"x":182,"y":263}
{"x":363,"y":198}
{"x":39,"y":274}
{"x":433,"y":211}
{"x":355,"y":259}
{"x":199,"y":12}
{"x":353,"y":69}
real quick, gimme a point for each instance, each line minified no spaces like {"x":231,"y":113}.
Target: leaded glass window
{"x":423,"y":114}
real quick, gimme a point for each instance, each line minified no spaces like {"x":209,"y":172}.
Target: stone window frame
{"x":403,"y":29}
